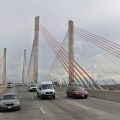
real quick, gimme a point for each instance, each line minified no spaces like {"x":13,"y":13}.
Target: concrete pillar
{"x":24,"y":67}
{"x":4,"y":66}
{"x":36,"y":49}
{"x":71,"y":50}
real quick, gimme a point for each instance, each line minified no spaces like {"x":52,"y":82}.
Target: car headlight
{"x":1,"y":104}
{"x":17,"y":103}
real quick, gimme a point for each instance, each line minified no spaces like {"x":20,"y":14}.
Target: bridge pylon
{"x":24,"y":68}
{"x":36,"y":50}
{"x":4,"y":66}
{"x":71,"y":51}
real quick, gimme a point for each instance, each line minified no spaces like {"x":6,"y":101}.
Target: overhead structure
{"x":36,"y":49}
{"x":24,"y":68}
{"x":71,"y":51}
{"x":32,"y":73}
{"x":4,"y":66}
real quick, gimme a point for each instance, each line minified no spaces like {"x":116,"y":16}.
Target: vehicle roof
{"x":10,"y":94}
{"x":75,"y":86}
{"x":45,"y":82}
{"x":33,"y":84}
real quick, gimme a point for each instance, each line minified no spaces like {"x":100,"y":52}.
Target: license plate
{"x":9,"y":107}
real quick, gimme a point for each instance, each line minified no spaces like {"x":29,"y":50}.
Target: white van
{"x":45,"y":89}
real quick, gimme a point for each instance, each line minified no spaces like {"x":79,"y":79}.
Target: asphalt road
{"x":62,"y":108}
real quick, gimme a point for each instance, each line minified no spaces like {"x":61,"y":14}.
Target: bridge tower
{"x":36,"y":49}
{"x":24,"y":68}
{"x":71,"y":51}
{"x":4,"y":66}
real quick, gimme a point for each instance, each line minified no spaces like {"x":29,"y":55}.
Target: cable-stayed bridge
{"x":81,"y":58}
{"x":95,"y":54}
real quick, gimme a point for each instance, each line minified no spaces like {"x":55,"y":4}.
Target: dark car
{"x":76,"y":92}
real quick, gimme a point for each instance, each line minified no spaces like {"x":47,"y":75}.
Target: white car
{"x":9,"y":85}
{"x":32,"y":87}
{"x":45,"y":89}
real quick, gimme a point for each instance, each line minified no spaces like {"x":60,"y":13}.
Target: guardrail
{"x":107,"y":95}
{"x":111,"y":87}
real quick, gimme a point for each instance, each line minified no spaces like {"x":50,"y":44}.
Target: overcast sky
{"x":101,"y":17}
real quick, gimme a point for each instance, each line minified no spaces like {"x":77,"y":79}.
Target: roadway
{"x":62,"y":108}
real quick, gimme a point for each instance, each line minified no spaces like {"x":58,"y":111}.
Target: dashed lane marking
{"x":83,"y":107}
{"x":42,"y":110}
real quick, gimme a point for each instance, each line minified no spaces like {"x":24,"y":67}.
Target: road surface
{"x":62,"y":108}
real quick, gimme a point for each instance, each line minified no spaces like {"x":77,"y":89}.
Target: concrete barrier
{"x":107,"y":95}
{"x":2,"y":87}
{"x":112,"y":87}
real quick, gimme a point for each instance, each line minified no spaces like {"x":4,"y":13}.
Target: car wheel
{"x":18,"y":108}
{"x":68,"y":95}
{"x":54,"y":97}
{"x":86,"y":97}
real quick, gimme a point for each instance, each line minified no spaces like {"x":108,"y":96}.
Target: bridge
{"x":81,"y":58}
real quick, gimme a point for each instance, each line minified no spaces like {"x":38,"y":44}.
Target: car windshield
{"x":78,"y":88}
{"x":47,"y":86}
{"x":33,"y":85}
{"x":6,"y":97}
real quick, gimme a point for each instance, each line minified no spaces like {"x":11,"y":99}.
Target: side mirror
{"x":40,"y":88}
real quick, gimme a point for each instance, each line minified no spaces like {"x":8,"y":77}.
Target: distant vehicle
{"x":20,"y":84}
{"x":76,"y":92}
{"x":10,"y":101}
{"x":32,"y":87}
{"x":9,"y":85}
{"x":45,"y":89}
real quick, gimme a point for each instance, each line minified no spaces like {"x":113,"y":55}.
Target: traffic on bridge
{"x":45,"y":78}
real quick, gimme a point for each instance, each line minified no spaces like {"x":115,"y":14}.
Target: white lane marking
{"x":83,"y":107}
{"x":42,"y":110}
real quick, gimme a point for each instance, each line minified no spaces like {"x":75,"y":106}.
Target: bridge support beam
{"x":24,"y":68}
{"x":4,"y":66}
{"x":36,"y":49}
{"x":71,"y":51}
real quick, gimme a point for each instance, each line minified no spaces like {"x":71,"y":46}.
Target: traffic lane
{"x":103,"y":105}
{"x":67,"y":108}
{"x":61,"y":108}
{"x":94,"y":103}
{"x":83,"y":112}
{"x":46,"y":108}
{"x":29,"y":110}
{"x":97,"y":104}
{"x":6,"y":90}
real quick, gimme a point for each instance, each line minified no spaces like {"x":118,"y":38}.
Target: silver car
{"x":10,"y":101}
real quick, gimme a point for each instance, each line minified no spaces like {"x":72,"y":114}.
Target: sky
{"x":17,"y":24}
